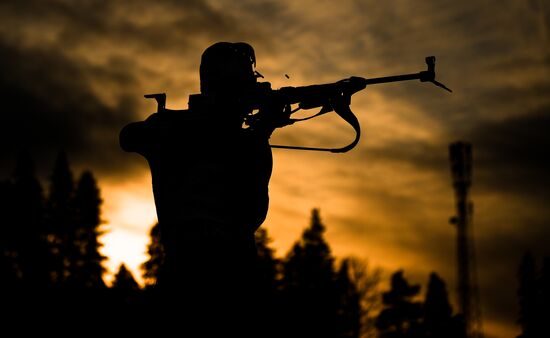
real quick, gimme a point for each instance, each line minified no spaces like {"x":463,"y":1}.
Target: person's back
{"x":202,"y":171}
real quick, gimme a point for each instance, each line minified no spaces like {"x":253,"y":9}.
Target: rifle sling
{"x":347,"y":115}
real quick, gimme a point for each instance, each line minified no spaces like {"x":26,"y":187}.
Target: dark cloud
{"x":166,"y":24}
{"x":511,"y":156}
{"x":71,"y":74}
{"x":424,"y":155}
{"x":48,"y":106}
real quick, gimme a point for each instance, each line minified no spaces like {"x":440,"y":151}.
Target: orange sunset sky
{"x":73,"y":73}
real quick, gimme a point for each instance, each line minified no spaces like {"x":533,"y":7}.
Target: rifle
{"x":313,"y":96}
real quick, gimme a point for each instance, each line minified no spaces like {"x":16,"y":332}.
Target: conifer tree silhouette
{"x":51,"y":242}
{"x":125,"y":295}
{"x":59,"y":213}
{"x":24,"y":252}
{"x":11,"y":274}
{"x":438,"y":318}
{"x":349,"y":303}
{"x":401,"y":316}
{"x":308,"y":284}
{"x":153,"y":266}
{"x":27,"y":214}
{"x":268,"y":274}
{"x":124,"y":280}
{"x":268,"y":266}
{"x":73,"y":219}
{"x":365,"y":282}
{"x":86,"y":269}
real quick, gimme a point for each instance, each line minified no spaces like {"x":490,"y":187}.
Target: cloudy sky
{"x":72,"y":73}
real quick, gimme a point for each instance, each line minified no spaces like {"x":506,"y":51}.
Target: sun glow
{"x":129,"y":213}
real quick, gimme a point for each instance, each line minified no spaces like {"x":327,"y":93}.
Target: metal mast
{"x":467,"y":291}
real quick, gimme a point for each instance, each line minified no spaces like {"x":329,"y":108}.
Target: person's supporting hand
{"x":272,"y":116}
{"x":340,"y":102}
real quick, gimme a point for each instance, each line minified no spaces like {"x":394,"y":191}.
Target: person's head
{"x":227,"y":68}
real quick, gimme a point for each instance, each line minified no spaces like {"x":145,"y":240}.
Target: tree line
{"x":50,"y":241}
{"x":51,"y":266}
{"x":312,"y":294}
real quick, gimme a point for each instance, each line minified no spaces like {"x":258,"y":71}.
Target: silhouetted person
{"x":210,"y":182}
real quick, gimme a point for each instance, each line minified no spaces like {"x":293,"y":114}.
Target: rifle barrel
{"x":395,"y":78}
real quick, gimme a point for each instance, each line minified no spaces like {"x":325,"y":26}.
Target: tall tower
{"x":467,"y":290}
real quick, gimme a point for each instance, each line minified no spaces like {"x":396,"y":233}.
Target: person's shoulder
{"x":153,"y":117}
{"x":159,"y":119}
{"x":150,"y":119}
{"x":193,"y":119}
{"x":169,"y":115}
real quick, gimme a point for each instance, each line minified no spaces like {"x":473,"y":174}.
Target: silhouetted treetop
{"x":401,"y":316}
{"x":267,"y":266}
{"x":436,"y":305}
{"x":88,"y":202}
{"x":61,"y":183}
{"x":27,"y":219}
{"x":438,"y":319}
{"x":124,"y":280}
{"x":86,"y":264}
{"x":309,"y":283}
{"x":53,"y":240}
{"x":310,"y":259}
{"x":152,"y":267}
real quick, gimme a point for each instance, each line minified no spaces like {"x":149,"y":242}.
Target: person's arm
{"x":272,"y":116}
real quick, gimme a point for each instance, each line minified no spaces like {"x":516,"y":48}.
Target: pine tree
{"x":365,"y":282}
{"x":310,"y":263}
{"x":308,"y":283}
{"x":9,"y":265}
{"x":23,"y":251}
{"x":125,"y":297}
{"x":349,"y":303}
{"x":437,"y":310}
{"x":124,"y":280}
{"x":401,"y":316}
{"x":152,"y":267}
{"x":125,"y":288}
{"x":268,"y":271}
{"x":28,"y":221}
{"x":86,"y":269}
{"x":268,"y":265}
{"x":60,"y":219}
